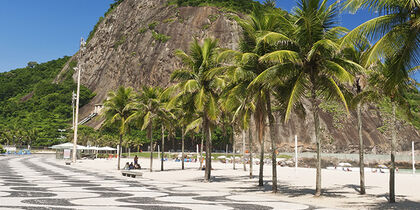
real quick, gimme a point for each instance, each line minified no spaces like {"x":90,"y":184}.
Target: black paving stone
{"x":49,"y":202}
{"x":29,"y":194}
{"x":29,"y":189}
{"x":154,"y":207}
{"x":113,"y":195}
{"x":241,"y":206}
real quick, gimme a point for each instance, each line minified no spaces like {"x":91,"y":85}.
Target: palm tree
{"x":242,"y":113}
{"x":227,"y":121}
{"x":149,"y":107}
{"x":117,"y":109}
{"x":199,"y":89}
{"x":309,"y":61}
{"x":399,"y":34}
{"x":168,"y":120}
{"x":397,"y":29}
{"x":247,"y":67}
{"x":364,"y":93}
{"x":393,"y":79}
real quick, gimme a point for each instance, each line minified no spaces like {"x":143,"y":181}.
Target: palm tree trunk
{"x":259,"y":124}
{"x":250,"y":152}
{"x":261,"y":174}
{"x":315,"y":110}
{"x":163,"y":148}
{"x":361,"y":151}
{"x":201,"y":149}
{"x":233,"y":148}
{"x":392,"y":169}
{"x":243,"y":149}
{"x":182,"y":147}
{"x":273,"y":144}
{"x":207,"y":174}
{"x":119,"y":156}
{"x":149,"y":135}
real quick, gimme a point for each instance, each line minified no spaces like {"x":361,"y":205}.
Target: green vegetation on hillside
{"x":244,"y":6}
{"x":33,"y":108}
{"x":111,"y":8}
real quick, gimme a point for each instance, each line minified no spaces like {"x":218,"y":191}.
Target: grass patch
{"x":169,"y":20}
{"x":160,"y":37}
{"x":213,"y":18}
{"x":142,"y":30}
{"x":205,"y":27}
{"x":120,"y":41}
{"x":153,"y":25}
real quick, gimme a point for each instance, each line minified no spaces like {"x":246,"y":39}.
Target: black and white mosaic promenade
{"x":37,"y":182}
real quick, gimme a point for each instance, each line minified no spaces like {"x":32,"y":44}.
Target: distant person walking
{"x":136,"y":159}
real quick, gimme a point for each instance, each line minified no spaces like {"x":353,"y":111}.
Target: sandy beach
{"x":340,"y":189}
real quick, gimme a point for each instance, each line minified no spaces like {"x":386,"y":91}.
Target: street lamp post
{"x":78,"y":69}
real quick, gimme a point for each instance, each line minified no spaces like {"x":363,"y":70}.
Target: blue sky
{"x":48,"y":29}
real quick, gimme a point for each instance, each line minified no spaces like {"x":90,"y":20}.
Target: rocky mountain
{"x":133,"y":45}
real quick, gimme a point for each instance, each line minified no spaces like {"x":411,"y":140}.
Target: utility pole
{"x":78,"y":69}
{"x":414,"y":160}
{"x":73,"y":98}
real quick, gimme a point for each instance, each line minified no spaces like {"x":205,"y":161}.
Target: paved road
{"x":38,"y":182}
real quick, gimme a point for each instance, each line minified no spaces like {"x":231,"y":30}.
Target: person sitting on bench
{"x":137,"y":166}
{"x":127,"y":166}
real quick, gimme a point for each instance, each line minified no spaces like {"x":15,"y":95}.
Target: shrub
{"x":142,"y":30}
{"x":153,"y":25}
{"x":120,"y":41}
{"x":2,"y":150}
{"x":160,"y":37}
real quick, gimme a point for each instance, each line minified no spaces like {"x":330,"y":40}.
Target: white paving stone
{"x":111,"y":194}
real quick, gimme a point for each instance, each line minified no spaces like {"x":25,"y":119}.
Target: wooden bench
{"x":131,"y":173}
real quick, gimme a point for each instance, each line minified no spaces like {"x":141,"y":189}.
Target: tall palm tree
{"x":168,"y":120}
{"x":227,"y":121}
{"x":363,"y":94}
{"x":309,"y":61}
{"x":393,"y":80}
{"x":397,"y":28}
{"x":247,"y":67}
{"x":149,"y":107}
{"x":199,"y":89}
{"x":244,"y":68}
{"x":117,"y":109}
{"x":242,"y":109}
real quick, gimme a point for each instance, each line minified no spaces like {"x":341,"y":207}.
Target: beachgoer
{"x":136,"y":159}
{"x":127,"y":166}
{"x":137,"y":166}
{"x":131,"y":165}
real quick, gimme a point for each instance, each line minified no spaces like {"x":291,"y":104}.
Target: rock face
{"x":134,"y":44}
{"x":129,"y":46}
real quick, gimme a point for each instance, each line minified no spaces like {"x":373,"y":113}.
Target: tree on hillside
{"x":117,"y":109}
